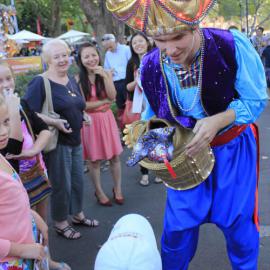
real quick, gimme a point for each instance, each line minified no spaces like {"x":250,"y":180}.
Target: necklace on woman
{"x":71,"y":91}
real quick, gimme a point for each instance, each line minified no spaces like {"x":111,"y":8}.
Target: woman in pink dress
{"x":101,"y":139}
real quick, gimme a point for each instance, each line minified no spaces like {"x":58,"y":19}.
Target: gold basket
{"x":190,"y":172}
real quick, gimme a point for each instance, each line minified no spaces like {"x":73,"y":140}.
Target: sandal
{"x":68,"y":232}
{"x":62,"y":266}
{"x":85,"y":222}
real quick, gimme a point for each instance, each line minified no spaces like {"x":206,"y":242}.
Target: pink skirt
{"x":101,"y":140}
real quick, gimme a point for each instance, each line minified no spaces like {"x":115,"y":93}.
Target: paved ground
{"x":149,"y":201}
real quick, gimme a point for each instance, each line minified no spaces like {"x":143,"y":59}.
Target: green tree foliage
{"x":258,"y":11}
{"x":52,"y":13}
{"x":229,"y":8}
{"x":29,"y":11}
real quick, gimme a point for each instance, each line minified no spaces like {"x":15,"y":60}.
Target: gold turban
{"x":157,"y":17}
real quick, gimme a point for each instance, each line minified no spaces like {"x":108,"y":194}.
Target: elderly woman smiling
{"x":65,"y":163}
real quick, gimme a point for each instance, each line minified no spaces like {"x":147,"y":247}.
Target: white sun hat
{"x":130,"y":246}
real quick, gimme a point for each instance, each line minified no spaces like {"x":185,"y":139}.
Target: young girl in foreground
{"x":17,"y":221}
{"x":15,"y":145}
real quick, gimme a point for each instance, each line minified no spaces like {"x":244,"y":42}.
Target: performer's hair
{"x":84,"y":81}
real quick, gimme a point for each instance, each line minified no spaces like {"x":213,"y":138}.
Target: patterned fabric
{"x":158,"y":17}
{"x":187,"y":78}
{"x":21,"y":264}
{"x":37,"y":186}
{"x":156,"y":145}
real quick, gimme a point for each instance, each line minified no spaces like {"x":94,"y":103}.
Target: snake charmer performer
{"x":212,"y":82}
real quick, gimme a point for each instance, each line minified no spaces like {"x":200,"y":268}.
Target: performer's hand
{"x":205,"y":130}
{"x":126,"y":138}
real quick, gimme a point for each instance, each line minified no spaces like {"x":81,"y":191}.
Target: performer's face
{"x":178,"y":46}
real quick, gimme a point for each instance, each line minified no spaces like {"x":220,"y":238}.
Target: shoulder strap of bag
{"x":48,"y":104}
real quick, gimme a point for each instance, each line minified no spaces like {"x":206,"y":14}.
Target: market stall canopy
{"x":19,"y":41}
{"x":73,"y":34}
{"x":26,"y":35}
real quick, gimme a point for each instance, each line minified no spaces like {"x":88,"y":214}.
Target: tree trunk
{"x":55,"y":18}
{"x":101,"y":20}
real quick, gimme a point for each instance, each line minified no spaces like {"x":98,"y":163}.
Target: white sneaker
{"x":158,"y":180}
{"x":144,"y":180}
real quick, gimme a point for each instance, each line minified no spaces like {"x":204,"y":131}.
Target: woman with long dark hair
{"x":139,"y":46}
{"x":101,"y":139}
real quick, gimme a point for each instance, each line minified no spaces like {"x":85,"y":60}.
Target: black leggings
{"x":121,"y":93}
{"x":144,"y":171}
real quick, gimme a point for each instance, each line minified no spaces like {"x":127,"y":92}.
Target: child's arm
{"x":25,"y":251}
{"x":42,"y":226}
{"x":37,"y":147}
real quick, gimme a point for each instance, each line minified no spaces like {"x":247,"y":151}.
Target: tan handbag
{"x":48,"y":110}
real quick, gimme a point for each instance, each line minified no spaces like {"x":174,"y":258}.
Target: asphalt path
{"x":150,"y":202}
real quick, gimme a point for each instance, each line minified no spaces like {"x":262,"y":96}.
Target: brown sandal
{"x":85,"y":222}
{"x":68,"y":232}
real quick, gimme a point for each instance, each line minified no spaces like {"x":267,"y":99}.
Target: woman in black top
{"x":65,"y":163}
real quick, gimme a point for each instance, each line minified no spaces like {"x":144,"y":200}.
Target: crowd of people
{"x":64,"y":120}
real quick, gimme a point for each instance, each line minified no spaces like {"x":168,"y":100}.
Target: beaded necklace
{"x":198,"y":92}
{"x":71,"y":91}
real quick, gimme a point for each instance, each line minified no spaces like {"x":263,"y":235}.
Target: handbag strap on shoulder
{"x":48,"y":104}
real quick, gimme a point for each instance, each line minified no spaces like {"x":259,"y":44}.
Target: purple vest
{"x":218,"y":77}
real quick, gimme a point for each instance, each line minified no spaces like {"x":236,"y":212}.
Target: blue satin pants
{"x":226,"y":198}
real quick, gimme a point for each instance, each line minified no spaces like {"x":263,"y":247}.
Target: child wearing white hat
{"x":130,"y":246}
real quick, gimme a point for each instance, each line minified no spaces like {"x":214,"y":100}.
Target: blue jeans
{"x":65,"y":170}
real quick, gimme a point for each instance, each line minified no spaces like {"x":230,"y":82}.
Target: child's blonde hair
{"x":5,"y":64}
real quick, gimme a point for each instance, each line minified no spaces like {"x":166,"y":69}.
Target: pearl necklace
{"x":198,"y":92}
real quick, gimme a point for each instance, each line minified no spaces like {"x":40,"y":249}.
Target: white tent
{"x":26,"y":35}
{"x":71,"y":34}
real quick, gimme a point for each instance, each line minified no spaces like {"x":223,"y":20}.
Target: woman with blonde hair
{"x":64,"y":163}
